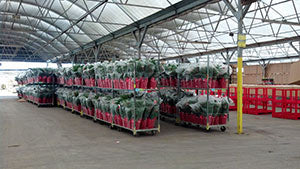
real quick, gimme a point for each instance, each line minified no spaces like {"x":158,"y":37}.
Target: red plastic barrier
{"x":233,"y":97}
{"x":257,"y":101}
{"x":286,"y":103}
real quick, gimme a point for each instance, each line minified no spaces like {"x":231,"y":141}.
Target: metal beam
{"x":12,"y":70}
{"x":75,"y":23}
{"x":10,"y":45}
{"x":268,"y":59}
{"x":167,"y":13}
{"x":284,"y":22}
{"x":249,"y":46}
{"x":291,"y":44}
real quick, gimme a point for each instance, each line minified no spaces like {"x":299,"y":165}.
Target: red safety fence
{"x":233,"y":96}
{"x":282,"y":103}
{"x":286,"y":103}
{"x":257,"y":101}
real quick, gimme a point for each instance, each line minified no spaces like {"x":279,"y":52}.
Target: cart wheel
{"x":94,"y":119}
{"x":153,"y":132}
{"x":111,"y":126}
{"x":136,"y":134}
{"x":208,"y":128}
{"x":223,"y":128}
{"x":119,"y":129}
{"x":162,"y":118}
{"x":185,"y":124}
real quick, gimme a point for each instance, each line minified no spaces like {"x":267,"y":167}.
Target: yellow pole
{"x":240,"y":96}
{"x":241,"y":44}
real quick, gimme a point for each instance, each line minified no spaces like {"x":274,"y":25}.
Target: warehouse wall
{"x":282,"y":73}
{"x":279,"y":72}
{"x":251,"y":75}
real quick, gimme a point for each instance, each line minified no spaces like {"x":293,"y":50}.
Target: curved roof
{"x":43,"y":29}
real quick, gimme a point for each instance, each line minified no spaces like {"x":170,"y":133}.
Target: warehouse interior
{"x":167,"y":83}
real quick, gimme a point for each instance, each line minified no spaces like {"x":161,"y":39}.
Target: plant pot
{"x":182,"y":83}
{"x":211,"y":121}
{"x":107,"y":85}
{"x":49,"y":79}
{"x":190,"y":117}
{"x":137,"y":82}
{"x":138,"y":124}
{"x":182,"y":116}
{"x":194,"y":119}
{"x":125,"y":122}
{"x":163,"y":81}
{"x":204,"y":120}
{"x":98,"y":114}
{"x":151,"y":123}
{"x":77,"y":107}
{"x":153,"y":83}
{"x":61,"y":102}
{"x":223,"y":119}
{"x":204,"y":83}
{"x":131,"y":121}
{"x":120,"y":120}
{"x":78,"y":81}
{"x":144,"y":124}
{"x":161,"y":107}
{"x":116,"y":119}
{"x":98,"y":82}
{"x":91,"y":111}
{"x":40,"y":79}
{"x":109,"y":117}
{"x":44,"y":100}
{"x":123,"y":84}
{"x":127,"y":83}
{"x":173,"y":109}
{"x":69,"y":105}
{"x":173,"y":82}
{"x":92,"y":82}
{"x":216,"y":120}
{"x":85,"y":111}
{"x":222,"y":83}
{"x":87,"y":82}
{"x":131,"y":84}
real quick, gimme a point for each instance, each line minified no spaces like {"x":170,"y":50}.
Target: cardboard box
{"x":282,"y":73}
{"x":294,"y":75}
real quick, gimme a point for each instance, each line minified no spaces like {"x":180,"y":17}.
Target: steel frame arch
{"x":37,"y":37}
{"x":33,"y":37}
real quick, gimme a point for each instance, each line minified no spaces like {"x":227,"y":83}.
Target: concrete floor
{"x":52,"y":138}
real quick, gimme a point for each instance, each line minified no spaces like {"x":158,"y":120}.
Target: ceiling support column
{"x":241,"y":44}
